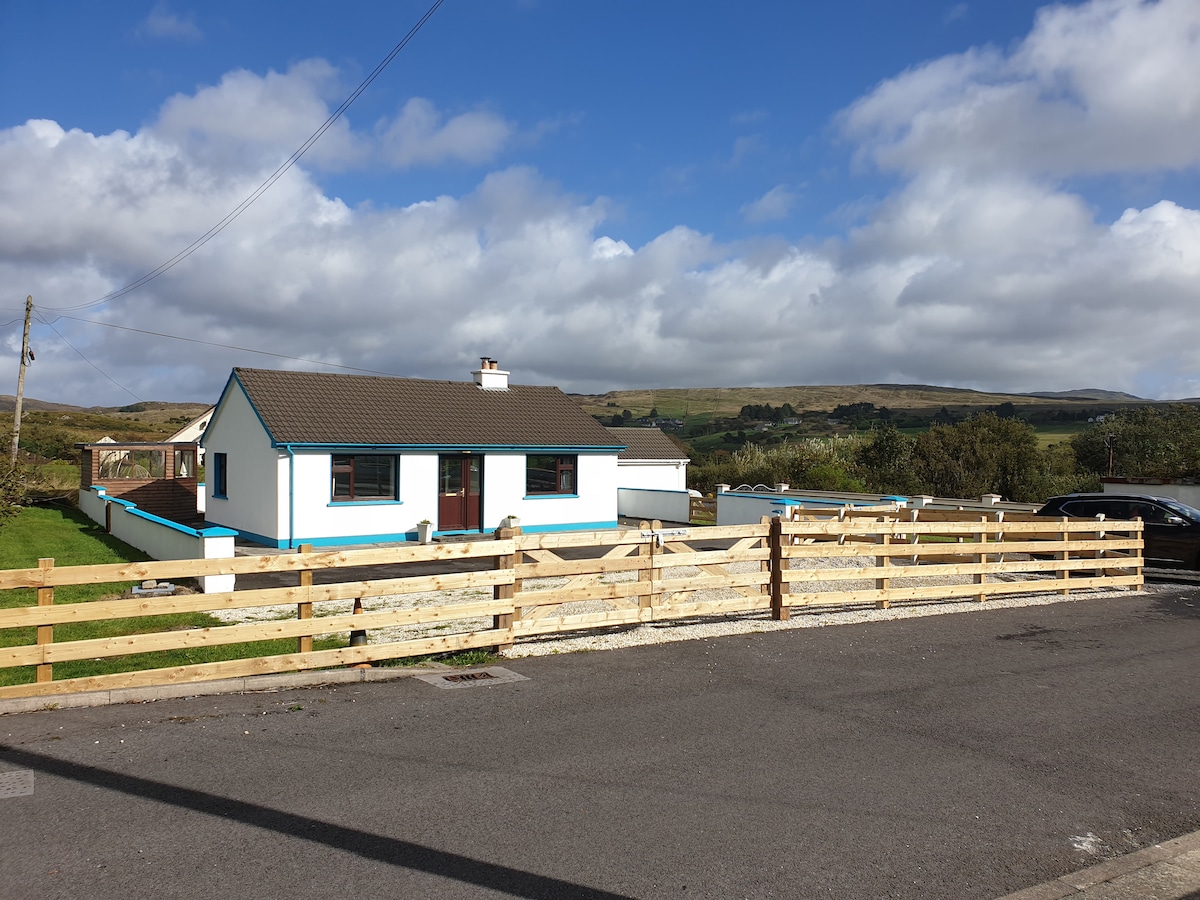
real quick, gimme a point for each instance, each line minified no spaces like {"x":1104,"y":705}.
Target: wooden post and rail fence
{"x":546,"y":584}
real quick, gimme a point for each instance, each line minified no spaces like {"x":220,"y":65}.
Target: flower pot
{"x":425,"y":532}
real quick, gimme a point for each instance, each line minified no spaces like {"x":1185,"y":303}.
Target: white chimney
{"x":490,"y":376}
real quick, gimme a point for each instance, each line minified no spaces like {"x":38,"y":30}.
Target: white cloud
{"x":162,"y":23}
{"x":249,"y":120}
{"x":772,"y":206}
{"x":980,"y":269}
{"x":422,"y":135}
{"x":1107,"y":86}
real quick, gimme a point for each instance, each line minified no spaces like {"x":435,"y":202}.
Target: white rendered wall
{"x":748,"y":509}
{"x":504,"y":493}
{"x":655,"y":474}
{"x":255,"y":470}
{"x":318,"y":518}
{"x":651,"y":503}
{"x":159,"y":538}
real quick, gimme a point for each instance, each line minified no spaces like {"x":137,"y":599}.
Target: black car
{"x":1171,"y":529}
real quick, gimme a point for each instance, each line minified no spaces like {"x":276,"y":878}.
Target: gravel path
{"x":678,"y":629}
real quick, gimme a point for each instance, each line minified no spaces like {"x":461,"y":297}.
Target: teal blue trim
{"x":217,"y":531}
{"x":774,"y":498}
{"x":572,"y":526}
{"x":550,"y":497}
{"x":259,"y":539}
{"x":291,"y":494}
{"x":411,"y":536}
{"x":365,"y":503}
{"x":210,"y":531}
{"x":455,"y":448}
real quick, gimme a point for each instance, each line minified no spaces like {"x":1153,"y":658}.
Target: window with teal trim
{"x":547,"y":474}
{"x":363,"y":477}
{"x":220,"y":475}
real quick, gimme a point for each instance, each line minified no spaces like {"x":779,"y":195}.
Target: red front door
{"x":460,"y":492}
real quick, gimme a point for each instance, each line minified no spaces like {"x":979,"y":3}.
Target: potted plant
{"x":510,"y":522}
{"x":424,"y":531}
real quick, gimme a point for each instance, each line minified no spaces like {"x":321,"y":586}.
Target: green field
{"x":1058,"y":434}
{"x":72,"y":539}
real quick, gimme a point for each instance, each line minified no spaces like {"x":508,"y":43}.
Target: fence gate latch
{"x":657,"y":536}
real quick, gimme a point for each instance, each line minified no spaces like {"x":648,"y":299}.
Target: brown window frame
{"x":564,"y":464}
{"x":345,"y":464}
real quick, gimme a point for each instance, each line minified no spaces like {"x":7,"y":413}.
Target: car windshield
{"x":1181,"y":509}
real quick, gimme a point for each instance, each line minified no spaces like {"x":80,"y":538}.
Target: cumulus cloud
{"x":979,"y":269}
{"x":772,"y":206}
{"x":420,"y":134}
{"x":162,"y":23}
{"x":1107,"y":86}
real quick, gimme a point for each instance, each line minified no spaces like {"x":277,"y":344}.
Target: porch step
{"x":463,"y":538}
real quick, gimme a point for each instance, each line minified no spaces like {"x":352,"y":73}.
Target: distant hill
{"x":1093,"y":394}
{"x":147,"y":411}
{"x":675,"y":402}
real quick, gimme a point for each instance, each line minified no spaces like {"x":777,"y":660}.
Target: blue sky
{"x":998,"y":195}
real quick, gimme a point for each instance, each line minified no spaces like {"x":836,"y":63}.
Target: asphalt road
{"x":962,"y":756}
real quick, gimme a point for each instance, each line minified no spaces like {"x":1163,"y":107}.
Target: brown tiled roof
{"x":318,"y":408}
{"x":646,"y":443}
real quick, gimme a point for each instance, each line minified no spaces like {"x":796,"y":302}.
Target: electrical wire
{"x":176,"y":337}
{"x":265,"y":186}
{"x":92,"y":364}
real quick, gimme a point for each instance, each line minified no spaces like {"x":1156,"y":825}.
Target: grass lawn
{"x":72,"y":539}
{"x":1058,"y":434}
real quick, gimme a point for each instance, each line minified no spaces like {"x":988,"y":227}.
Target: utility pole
{"x":21,"y":381}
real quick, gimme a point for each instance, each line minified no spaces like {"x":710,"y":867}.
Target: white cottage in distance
{"x":312,"y":458}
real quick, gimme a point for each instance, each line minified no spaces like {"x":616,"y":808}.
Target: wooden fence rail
{"x":536,"y":585}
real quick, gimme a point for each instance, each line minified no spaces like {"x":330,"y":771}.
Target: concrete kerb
{"x":1168,"y":871}
{"x":249,"y":684}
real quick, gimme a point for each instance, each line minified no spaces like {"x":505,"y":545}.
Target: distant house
{"x":192,"y":431}
{"x":302,"y":457}
{"x":650,"y":460}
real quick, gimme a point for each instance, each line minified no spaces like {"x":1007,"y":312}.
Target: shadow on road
{"x":1185,"y":605}
{"x":391,"y":851}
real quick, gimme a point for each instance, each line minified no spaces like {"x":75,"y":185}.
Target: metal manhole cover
{"x":16,"y":784}
{"x":474,"y":678}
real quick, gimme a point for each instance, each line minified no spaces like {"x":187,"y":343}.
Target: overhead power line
{"x":176,"y":337}
{"x":265,"y":186}
{"x":90,"y":363}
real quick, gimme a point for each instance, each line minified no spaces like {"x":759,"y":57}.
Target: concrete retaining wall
{"x":160,"y":538}
{"x":650,"y":504}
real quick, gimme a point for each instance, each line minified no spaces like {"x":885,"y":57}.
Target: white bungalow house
{"x":310,"y":458}
{"x":650,"y":460}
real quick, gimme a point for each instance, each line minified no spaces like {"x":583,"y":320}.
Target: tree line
{"x":984,"y":454}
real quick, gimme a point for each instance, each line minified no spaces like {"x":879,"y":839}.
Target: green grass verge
{"x":458,"y":658}
{"x":72,"y":539}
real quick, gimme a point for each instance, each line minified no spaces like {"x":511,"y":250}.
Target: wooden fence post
{"x":504,"y":621}
{"x":883,"y":561}
{"x":45,"y":633}
{"x":1141,"y":578}
{"x":765,"y":565}
{"x":1064,"y":555}
{"x":981,"y":559}
{"x":648,"y":573}
{"x":780,"y":611}
{"x":304,"y":644}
